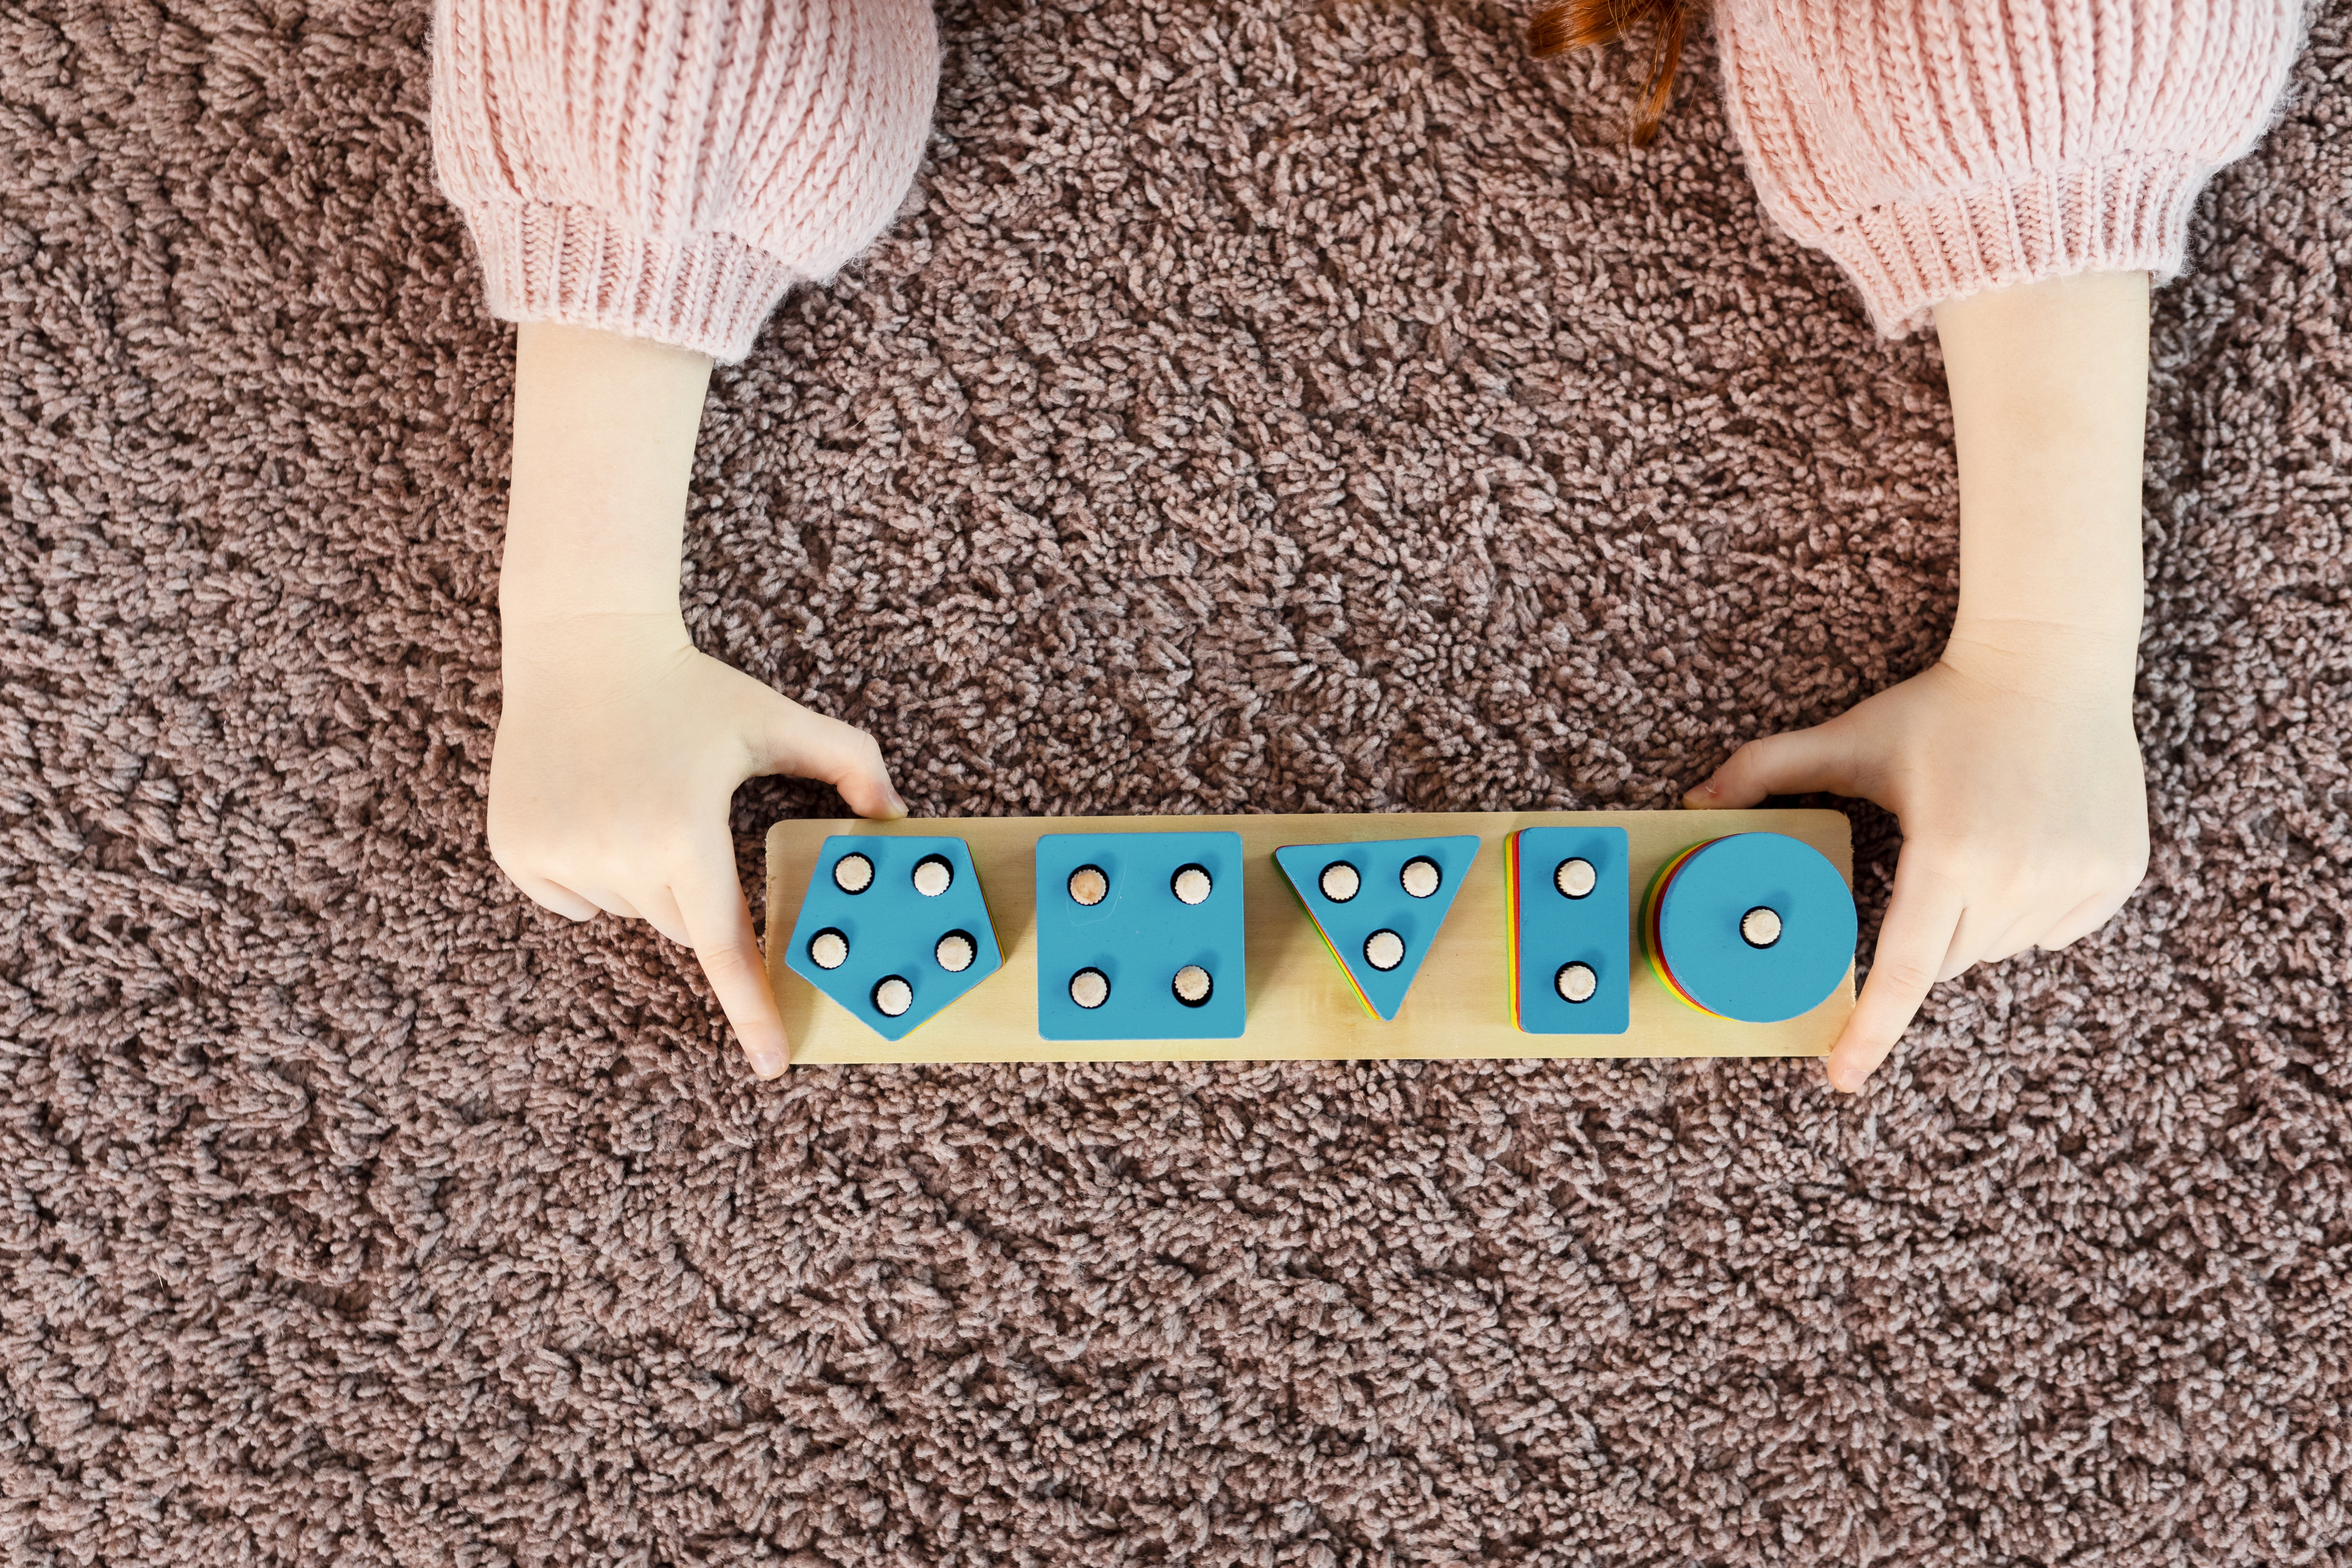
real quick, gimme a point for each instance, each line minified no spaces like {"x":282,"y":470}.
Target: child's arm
{"x":644,"y":179}
{"x":619,"y":745}
{"x":2015,"y":173}
{"x":2011,"y":763}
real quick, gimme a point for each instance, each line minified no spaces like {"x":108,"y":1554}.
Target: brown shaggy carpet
{"x":1307,"y":407}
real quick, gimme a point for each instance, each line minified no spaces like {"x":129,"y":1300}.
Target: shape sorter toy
{"x":893,"y":929}
{"x":1572,"y":958}
{"x":1296,"y":1003}
{"x":1377,"y":903}
{"x":1140,"y":937}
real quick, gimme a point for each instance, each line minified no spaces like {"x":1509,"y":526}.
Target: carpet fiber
{"x":1300,"y":407}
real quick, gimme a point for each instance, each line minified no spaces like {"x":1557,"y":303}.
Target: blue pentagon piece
{"x":1378,"y":904}
{"x":1572,"y":930}
{"x":1140,"y":937}
{"x":894,"y":928}
{"x":1755,"y":927}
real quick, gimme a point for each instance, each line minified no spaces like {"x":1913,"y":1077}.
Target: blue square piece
{"x":884,"y":924}
{"x":1570,"y":928}
{"x":1158,"y":950}
{"x":1378,"y":904}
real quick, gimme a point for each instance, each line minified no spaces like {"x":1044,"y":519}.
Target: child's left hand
{"x":2024,"y":815}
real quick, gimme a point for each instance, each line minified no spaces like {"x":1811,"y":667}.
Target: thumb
{"x":1797,"y":762}
{"x":790,"y":739}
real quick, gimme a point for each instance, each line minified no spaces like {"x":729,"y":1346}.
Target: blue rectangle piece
{"x":1140,"y":935}
{"x":1551,"y":930}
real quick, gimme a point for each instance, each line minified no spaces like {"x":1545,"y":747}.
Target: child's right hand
{"x":2023,"y":805}
{"x":618,"y":750}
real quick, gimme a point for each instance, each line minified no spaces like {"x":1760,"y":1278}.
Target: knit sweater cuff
{"x":573,"y":265}
{"x":2127,"y":213}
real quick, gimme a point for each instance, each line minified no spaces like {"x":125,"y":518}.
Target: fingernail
{"x":1848,"y":1082}
{"x":767,"y":1057}
{"x":898,"y":803}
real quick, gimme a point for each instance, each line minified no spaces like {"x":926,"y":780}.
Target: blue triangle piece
{"x":1380,"y":904}
{"x":862,"y":927}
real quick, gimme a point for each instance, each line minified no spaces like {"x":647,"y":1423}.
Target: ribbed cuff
{"x":575,"y":265}
{"x":2121,"y":215}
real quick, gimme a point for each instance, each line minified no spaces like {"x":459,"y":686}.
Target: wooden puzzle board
{"x":1300,"y":1006}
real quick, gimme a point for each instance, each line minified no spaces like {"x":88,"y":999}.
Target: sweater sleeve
{"x":1936,"y":148}
{"x":667,"y":169}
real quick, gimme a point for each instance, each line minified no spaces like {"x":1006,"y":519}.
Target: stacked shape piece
{"x":1140,"y":937}
{"x":1571,"y":953}
{"x":1378,"y":904}
{"x":894,"y":928}
{"x":1755,"y":927}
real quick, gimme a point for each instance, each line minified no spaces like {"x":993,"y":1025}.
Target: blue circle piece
{"x":1699,"y":921}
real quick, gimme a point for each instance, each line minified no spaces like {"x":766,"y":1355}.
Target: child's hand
{"x":2024,"y":819}
{"x":618,"y":750}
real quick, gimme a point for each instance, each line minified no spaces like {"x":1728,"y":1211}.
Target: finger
{"x":1921,"y":919}
{"x":661,"y":912}
{"x":792,"y":740}
{"x":720,"y":922}
{"x":1985,"y":934}
{"x":2020,"y":935}
{"x":1797,"y":762}
{"x":2084,"y":918}
{"x":605,"y":899}
{"x":2051,"y":930}
{"x":552,"y":895}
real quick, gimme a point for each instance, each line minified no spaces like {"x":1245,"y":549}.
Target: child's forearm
{"x":604,"y":429}
{"x":2049,"y":387}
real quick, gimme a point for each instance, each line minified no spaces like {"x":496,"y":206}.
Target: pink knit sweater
{"x":1935,"y":148}
{"x":669,"y":168}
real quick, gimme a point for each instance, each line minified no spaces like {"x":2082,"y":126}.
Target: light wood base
{"x":1300,"y":1006}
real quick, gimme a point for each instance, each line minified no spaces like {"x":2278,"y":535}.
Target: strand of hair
{"x":1589,"y":23}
